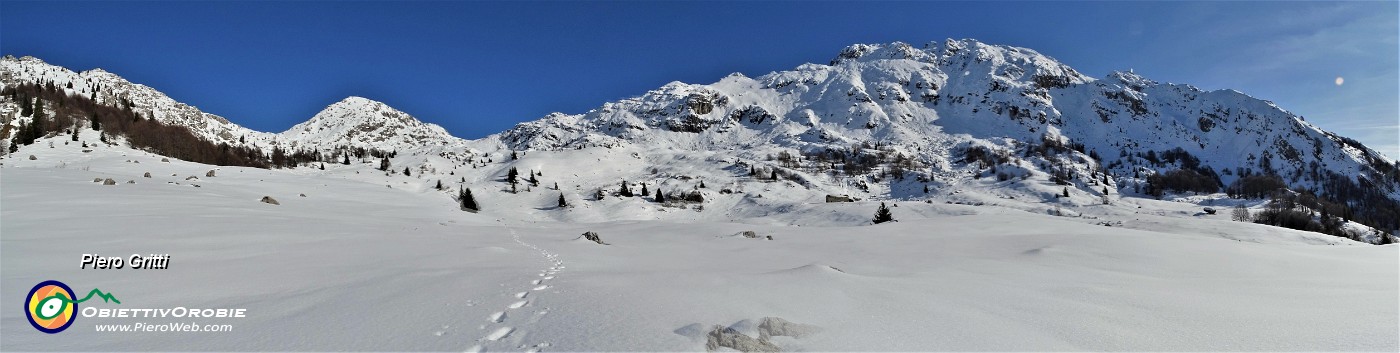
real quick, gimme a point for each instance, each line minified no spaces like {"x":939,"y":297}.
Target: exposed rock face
{"x":269,"y":200}
{"x":593,"y":236}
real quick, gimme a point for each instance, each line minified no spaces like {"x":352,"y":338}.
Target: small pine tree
{"x":883,"y":214}
{"x":624,"y":191}
{"x":660,"y":196}
{"x":96,"y":123}
{"x":644,"y":190}
{"x":562,"y":203}
{"x":599,"y":194}
{"x":702,"y":184}
{"x":406,"y":172}
{"x":346,"y":161}
{"x":514,"y":156}
{"x":464,"y":195}
{"x":384,"y":164}
{"x":242,"y":140}
{"x":533,"y":181}
{"x":1066,"y":193}
{"x":513,"y":175}
{"x":556,"y":185}
{"x":75,"y":134}
{"x":323,"y":166}
{"x":775,"y":175}
{"x":439,"y":185}
{"x":1105,"y":190}
{"x":925,"y":189}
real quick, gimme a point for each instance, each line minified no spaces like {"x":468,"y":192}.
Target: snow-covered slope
{"x":108,"y":88}
{"x":355,"y":265}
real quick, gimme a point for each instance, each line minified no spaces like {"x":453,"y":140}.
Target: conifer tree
{"x":1066,"y":193}
{"x":644,"y":190}
{"x":512,"y":176}
{"x":774,"y":176}
{"x":533,"y":181}
{"x":660,"y":196}
{"x":405,"y":172}
{"x":439,"y":185}
{"x":883,"y":214}
{"x":625,"y":192}
{"x":468,"y":202}
{"x":562,"y":203}
{"x":384,"y":164}
{"x":702,"y":185}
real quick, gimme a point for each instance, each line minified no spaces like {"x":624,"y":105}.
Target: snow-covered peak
{"x":108,"y":88}
{"x":363,"y":122}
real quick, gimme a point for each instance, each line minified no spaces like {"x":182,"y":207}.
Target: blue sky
{"x":479,"y":67}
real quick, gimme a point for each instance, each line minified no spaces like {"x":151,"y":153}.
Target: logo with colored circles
{"x":51,"y":305}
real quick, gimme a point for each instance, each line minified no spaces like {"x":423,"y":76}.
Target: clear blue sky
{"x":479,"y":67}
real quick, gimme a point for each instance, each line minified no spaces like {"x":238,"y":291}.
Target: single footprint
{"x":500,"y":333}
{"x":522,"y":295}
{"x":498,"y":316}
{"x":541,"y":287}
{"x":535,"y":282}
{"x":518,"y":304}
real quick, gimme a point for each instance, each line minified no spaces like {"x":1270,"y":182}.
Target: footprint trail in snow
{"x":500,"y":334}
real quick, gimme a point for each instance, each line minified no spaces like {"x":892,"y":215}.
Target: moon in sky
{"x":1339,"y":80}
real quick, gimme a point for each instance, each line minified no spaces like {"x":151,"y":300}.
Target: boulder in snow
{"x":721,"y":336}
{"x":32,"y":157}
{"x":109,"y":181}
{"x":593,"y":236}
{"x":269,"y":200}
{"x":841,"y":198}
{"x":148,"y":174}
{"x":210,"y":174}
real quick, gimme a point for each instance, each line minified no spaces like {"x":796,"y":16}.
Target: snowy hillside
{"x":346,"y":263}
{"x":108,"y":88}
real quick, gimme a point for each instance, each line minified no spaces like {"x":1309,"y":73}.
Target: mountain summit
{"x":361,"y":122}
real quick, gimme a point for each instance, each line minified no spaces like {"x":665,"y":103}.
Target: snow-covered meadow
{"x":358,"y":265}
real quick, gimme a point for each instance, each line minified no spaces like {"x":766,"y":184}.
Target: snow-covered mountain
{"x":352,"y":122}
{"x":879,"y":121}
{"x":361,"y":122}
{"x":933,"y":101}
